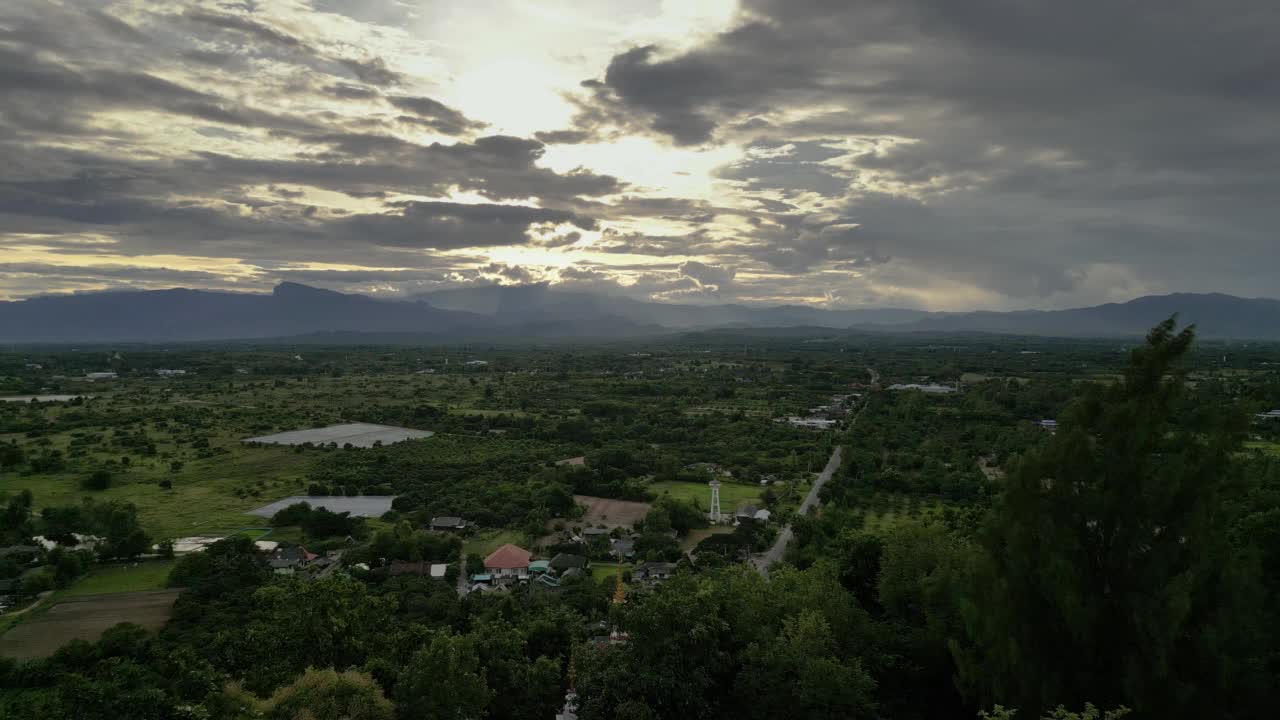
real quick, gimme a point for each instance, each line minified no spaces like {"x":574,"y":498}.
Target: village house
{"x":287,"y":560}
{"x":508,"y":561}
{"x":564,"y":562}
{"x":653,"y":572}
{"x":623,"y":548}
{"x":447,"y":523}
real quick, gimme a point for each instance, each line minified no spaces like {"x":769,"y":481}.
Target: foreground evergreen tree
{"x":1107,"y":575}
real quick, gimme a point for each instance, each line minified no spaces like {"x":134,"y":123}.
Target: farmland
{"x":84,"y":618}
{"x":610,"y":513}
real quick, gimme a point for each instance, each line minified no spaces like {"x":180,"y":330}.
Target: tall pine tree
{"x":1107,"y":575}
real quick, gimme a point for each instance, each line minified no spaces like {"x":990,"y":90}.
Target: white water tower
{"x":715,"y":502}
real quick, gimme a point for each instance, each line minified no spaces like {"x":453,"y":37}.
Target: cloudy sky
{"x":915,"y":153}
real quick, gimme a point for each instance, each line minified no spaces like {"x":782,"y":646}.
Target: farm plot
{"x":85,"y":618}
{"x":610,"y":513}
{"x":364,"y":435}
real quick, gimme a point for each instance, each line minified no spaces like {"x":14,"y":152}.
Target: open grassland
{"x":600,"y":571}
{"x":128,"y":577}
{"x":1270,"y":448}
{"x":487,"y":541}
{"x":42,"y":632}
{"x":204,"y":494}
{"x":731,"y":494}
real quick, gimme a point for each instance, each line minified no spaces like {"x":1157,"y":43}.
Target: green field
{"x":731,"y":494}
{"x":203,"y":495}
{"x":487,"y":541}
{"x":1270,"y":448}
{"x":129,"y":577}
{"x":600,"y":571}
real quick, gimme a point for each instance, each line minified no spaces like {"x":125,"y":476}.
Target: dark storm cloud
{"x":1028,"y":141}
{"x":262,"y":36}
{"x":444,"y":226}
{"x":372,"y":70}
{"x":435,"y":114}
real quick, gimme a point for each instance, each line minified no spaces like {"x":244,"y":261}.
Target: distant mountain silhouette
{"x":1215,"y":315}
{"x":540,"y":311}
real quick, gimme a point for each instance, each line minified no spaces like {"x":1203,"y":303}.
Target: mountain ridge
{"x":536,"y":311}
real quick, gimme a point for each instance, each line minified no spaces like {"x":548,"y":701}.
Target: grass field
{"x":203,"y":495}
{"x":130,"y":577}
{"x":731,"y":494}
{"x":600,"y":571}
{"x":487,"y":541}
{"x":1270,"y":448}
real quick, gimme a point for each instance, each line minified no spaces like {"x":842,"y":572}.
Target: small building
{"x":592,"y":532}
{"x":285,"y":560}
{"x":653,"y":571}
{"x":564,"y":562}
{"x":508,"y":561}
{"x":623,"y":548}
{"x":1269,"y":415}
{"x":99,"y":376}
{"x":763,"y":516}
{"x":539,"y":567}
{"x":746,"y":513}
{"x":1049,"y":425}
{"x":266,"y":545}
{"x":476,"y":363}
{"x":163,"y":372}
{"x":439,"y":570}
{"x":448,"y":523}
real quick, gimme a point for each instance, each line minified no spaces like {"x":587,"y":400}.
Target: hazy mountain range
{"x":539,"y":311}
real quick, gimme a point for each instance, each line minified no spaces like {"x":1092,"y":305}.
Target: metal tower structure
{"x":715,"y":501}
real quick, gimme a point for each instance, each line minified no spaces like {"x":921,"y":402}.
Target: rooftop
{"x":508,"y":556}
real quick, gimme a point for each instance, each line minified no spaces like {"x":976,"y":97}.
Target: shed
{"x":564,"y":562}
{"x":448,"y":522}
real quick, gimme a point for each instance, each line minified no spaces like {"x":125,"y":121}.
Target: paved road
{"x":779,"y":549}
{"x":775,"y":553}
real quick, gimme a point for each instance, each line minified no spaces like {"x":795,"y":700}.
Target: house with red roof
{"x":508,"y":561}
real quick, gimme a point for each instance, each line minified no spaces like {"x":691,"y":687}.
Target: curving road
{"x":774,"y":554}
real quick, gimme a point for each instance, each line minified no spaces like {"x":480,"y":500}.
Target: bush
{"x":166,"y":484}
{"x":97,"y":480}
